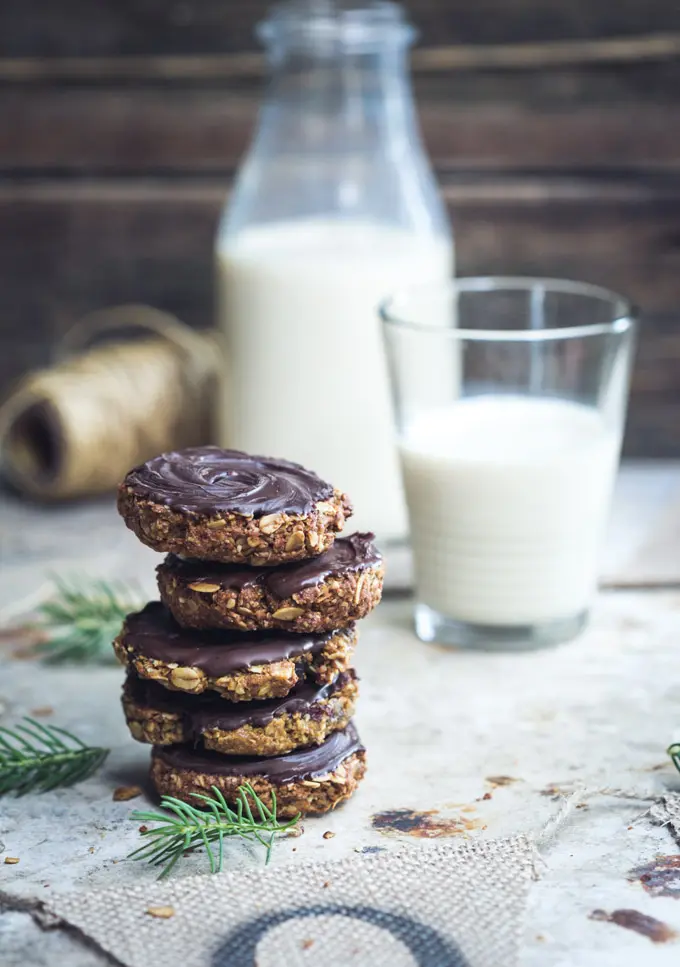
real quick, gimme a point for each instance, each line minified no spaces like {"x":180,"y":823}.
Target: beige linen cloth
{"x":448,"y":905}
{"x":434,"y":906}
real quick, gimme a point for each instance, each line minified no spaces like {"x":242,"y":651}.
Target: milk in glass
{"x":508,"y":499}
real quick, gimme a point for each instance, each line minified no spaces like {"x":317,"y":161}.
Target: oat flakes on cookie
{"x":228,"y":506}
{"x":330,"y":591}
{"x":308,"y":781}
{"x":305,"y":717}
{"x":240,"y":666}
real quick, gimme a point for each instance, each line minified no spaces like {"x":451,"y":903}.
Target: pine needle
{"x":82,"y":620}
{"x":189,"y":828}
{"x":38,"y":758}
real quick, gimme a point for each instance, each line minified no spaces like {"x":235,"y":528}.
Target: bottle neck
{"x":337,"y":134}
{"x":338,"y":100}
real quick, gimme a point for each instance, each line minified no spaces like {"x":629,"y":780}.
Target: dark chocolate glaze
{"x":295,"y":766}
{"x":354,"y":553}
{"x":202,"y":712}
{"x":153,"y":633}
{"x":205,"y":480}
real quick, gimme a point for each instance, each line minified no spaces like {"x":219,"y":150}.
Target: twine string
{"x":110,"y":402}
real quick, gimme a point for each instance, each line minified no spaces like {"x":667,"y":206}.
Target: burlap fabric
{"x":435,"y":906}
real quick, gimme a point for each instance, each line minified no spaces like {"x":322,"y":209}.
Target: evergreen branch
{"x":38,"y":758}
{"x":674,"y":752}
{"x":189,"y":827}
{"x":82,"y":621}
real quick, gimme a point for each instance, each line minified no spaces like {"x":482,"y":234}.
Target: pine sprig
{"x":81,"y":621}
{"x":188,"y":827}
{"x":674,"y":752}
{"x":37,"y":758}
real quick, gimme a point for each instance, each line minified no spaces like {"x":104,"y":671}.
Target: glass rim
{"x":624,"y":320}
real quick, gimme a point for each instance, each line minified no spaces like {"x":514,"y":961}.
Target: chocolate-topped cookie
{"x":329,"y":591}
{"x":313,"y":780}
{"x":306,"y":716}
{"x":224,"y":505}
{"x":240,"y":666}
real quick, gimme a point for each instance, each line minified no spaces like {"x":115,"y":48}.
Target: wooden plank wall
{"x":554,"y":126}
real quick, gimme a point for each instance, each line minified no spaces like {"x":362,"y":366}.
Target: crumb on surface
{"x":11,"y":860}
{"x":42,"y":711}
{"x":123,"y":793}
{"x":306,"y":944}
{"x":161,"y":913}
{"x":328,"y":834}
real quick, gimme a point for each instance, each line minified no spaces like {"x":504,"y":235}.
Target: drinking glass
{"x":510,"y":397}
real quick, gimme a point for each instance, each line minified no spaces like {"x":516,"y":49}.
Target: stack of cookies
{"x":242,"y":671}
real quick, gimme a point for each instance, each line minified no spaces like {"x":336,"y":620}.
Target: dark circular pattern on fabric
{"x":428,"y":948}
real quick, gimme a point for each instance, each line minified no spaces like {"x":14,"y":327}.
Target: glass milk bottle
{"x":334,"y":206}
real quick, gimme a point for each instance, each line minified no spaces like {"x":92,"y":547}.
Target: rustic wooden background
{"x":554,"y":126}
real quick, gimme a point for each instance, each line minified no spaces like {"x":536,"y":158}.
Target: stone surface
{"x":487,"y":740}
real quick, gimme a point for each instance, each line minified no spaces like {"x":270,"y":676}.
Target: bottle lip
{"x":321,"y":24}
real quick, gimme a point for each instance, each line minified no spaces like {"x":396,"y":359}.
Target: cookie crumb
{"x":326,"y":884}
{"x":161,"y":913}
{"x":328,"y":834}
{"x":42,"y":711}
{"x":306,"y":944}
{"x":90,"y":849}
{"x":487,"y":795}
{"x":11,"y":860}
{"x":143,"y":829}
{"x":123,"y":793}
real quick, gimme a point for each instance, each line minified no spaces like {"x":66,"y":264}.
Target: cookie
{"x":330,"y":591}
{"x":240,"y":666}
{"x":308,"y":781}
{"x":307,"y":716}
{"x":224,"y":505}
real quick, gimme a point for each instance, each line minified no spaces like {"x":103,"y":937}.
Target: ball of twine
{"x":75,"y":429}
